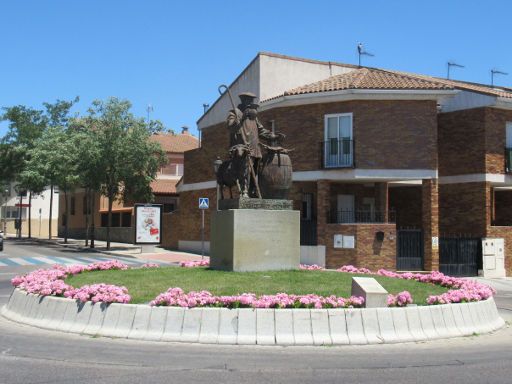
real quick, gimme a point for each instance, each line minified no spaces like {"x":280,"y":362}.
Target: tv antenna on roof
{"x":452,"y":64}
{"x":149,"y":109}
{"x":496,"y":72}
{"x":361,"y":52}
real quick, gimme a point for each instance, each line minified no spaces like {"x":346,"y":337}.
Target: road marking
{"x":44,"y":260}
{"x":20,"y":261}
{"x":3,"y":264}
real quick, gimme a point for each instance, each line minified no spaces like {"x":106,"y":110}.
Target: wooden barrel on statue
{"x":275,"y":178}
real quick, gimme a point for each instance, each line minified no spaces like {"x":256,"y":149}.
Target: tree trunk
{"x":109,"y":224}
{"x":20,"y":211}
{"x":30,"y":214}
{"x":92,"y":218}
{"x":87,"y":204}
{"x":51,"y":209}
{"x":66,"y":215}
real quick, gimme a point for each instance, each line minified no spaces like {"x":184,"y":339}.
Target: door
{"x":409,"y":252}
{"x":307,"y":221}
{"x":345,"y":209}
{"x":459,"y":256}
{"x":368,"y":212}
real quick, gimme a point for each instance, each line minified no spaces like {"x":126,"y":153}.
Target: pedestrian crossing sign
{"x":204,"y":203}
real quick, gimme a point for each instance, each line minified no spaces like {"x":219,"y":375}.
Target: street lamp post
{"x":216,"y":164}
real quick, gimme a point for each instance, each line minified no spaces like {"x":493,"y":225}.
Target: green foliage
{"x":126,"y":159}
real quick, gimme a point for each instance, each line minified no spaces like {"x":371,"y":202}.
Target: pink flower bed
{"x":46,"y":282}
{"x":400,"y":300}
{"x":177,"y":297}
{"x":462,"y":290}
{"x":150,"y":265}
{"x":193,"y":264}
{"x":312,"y":267}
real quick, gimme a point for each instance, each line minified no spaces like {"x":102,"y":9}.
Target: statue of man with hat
{"x":245,"y":129}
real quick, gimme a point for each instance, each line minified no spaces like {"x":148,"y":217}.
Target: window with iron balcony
{"x":338,"y":144}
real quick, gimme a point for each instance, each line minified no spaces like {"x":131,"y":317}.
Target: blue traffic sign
{"x":204,"y":203}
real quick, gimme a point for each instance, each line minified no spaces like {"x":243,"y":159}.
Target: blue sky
{"x":174,"y":54}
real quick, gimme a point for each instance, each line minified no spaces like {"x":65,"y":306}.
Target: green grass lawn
{"x":145,"y":284}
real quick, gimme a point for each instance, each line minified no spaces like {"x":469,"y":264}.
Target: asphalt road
{"x":29,"y":355}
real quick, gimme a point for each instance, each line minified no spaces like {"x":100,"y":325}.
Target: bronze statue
{"x":245,"y":132}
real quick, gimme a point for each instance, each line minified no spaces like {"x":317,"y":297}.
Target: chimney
{"x":184,"y":130}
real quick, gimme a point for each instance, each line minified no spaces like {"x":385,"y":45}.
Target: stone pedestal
{"x":255,"y":240}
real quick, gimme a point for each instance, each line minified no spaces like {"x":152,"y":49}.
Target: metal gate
{"x":460,"y":256}
{"x":409,"y":250}
{"x":308,"y":232}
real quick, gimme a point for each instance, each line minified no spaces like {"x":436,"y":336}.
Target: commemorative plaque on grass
{"x":257,"y":230}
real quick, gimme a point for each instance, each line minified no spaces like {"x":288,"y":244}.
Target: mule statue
{"x":234,"y":171}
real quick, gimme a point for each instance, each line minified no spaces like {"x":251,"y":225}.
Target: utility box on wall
{"x":493,"y":254}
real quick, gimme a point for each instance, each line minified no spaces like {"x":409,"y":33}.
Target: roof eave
{"x":503,"y":102}
{"x":359,"y":94}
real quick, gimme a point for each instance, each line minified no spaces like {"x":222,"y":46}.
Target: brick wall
{"x":461,"y":142}
{"x":199,"y":162}
{"x":464,"y":208}
{"x":380,"y":128}
{"x":506,"y":234}
{"x":185,"y":223}
{"x":495,"y":136}
{"x":472,"y":141}
{"x":502,"y":208}
{"x":406,"y":202}
{"x":368,"y":252}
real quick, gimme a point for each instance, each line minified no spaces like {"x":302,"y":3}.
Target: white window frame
{"x":346,"y":162}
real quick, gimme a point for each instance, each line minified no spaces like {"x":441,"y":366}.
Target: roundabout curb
{"x":247,"y":326}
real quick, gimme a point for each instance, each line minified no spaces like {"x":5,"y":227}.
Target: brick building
{"x":164,"y":190}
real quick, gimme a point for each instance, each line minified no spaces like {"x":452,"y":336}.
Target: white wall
{"x":466,"y":100}
{"x":269,"y":76}
{"x":278,"y":74}
{"x":38,"y":202}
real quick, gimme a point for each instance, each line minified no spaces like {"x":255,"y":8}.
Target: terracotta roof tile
{"x":176,"y":143}
{"x":465,"y":85}
{"x":164,"y":186}
{"x":369,"y":78}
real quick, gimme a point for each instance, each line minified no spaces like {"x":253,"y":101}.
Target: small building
{"x":164,"y":190}
{"x":16,"y":204}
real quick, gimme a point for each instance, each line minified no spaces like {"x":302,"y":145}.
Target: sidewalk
{"x":121,"y":249}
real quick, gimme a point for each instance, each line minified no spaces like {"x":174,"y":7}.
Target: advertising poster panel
{"x":148,"y":224}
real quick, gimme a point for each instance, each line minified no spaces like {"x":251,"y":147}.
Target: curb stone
{"x":247,"y":326}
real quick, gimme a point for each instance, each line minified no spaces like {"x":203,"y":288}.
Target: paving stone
{"x":228,"y":327}
{"x":355,"y":328}
{"x":265,"y":326}
{"x":302,"y":332}
{"x":386,"y":326}
{"x":246,"y":326}
{"x":284,"y":327}
{"x":210,"y":322}
{"x":191,"y":325}
{"x":174,"y":324}
{"x":140,"y":322}
{"x":156,"y":325}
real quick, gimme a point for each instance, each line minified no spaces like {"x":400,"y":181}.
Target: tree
{"x":128,"y":161}
{"x":26,"y":127}
{"x":89,"y":169}
{"x":55,"y":158}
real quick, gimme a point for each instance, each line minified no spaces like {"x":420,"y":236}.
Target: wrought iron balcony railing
{"x":338,"y":153}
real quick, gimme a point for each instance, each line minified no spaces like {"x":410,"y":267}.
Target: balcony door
{"x":345,"y":209}
{"x":338,"y":146}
